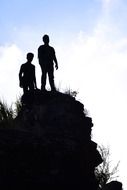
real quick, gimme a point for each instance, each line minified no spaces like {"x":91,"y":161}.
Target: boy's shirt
{"x":46,"y":55}
{"x":28,"y":73}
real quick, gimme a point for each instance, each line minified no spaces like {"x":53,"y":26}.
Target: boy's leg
{"x":51,"y":78}
{"x":31,"y":86}
{"x":25,"y":89}
{"x":43,"y":78}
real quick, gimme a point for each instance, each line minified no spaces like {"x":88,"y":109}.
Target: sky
{"x":90,"y":41}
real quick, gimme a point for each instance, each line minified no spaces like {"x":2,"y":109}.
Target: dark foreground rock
{"x":50,"y":145}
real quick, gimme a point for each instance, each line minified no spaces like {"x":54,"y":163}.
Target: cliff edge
{"x":50,"y":145}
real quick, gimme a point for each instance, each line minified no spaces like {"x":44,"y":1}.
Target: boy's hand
{"x":56,"y":67}
{"x":20,"y":84}
{"x":35,"y":87}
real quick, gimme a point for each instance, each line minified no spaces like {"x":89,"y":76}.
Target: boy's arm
{"x":20,"y":76}
{"x":56,"y":63}
{"x":20,"y":73}
{"x":39,"y":54}
{"x":55,"y":60}
{"x":35,"y":83}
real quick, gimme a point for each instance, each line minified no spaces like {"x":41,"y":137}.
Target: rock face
{"x":51,"y":146}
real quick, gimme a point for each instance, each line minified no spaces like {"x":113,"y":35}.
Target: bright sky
{"x":90,"y":40}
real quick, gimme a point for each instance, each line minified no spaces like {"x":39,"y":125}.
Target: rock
{"x":51,"y":145}
{"x":113,"y":185}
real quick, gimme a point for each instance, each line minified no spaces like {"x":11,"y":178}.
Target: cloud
{"x":108,"y":4}
{"x":95,"y":65}
{"x":10,"y":58}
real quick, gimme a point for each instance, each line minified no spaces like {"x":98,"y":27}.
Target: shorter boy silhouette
{"x":27,"y":77}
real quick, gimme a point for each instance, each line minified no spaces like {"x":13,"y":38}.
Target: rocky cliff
{"x":50,"y":145}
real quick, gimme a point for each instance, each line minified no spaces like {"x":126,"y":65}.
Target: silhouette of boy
{"x":47,"y":57}
{"x":27,"y":77}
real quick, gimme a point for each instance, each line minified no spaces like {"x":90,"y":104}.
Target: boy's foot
{"x":53,"y":89}
{"x":43,"y":88}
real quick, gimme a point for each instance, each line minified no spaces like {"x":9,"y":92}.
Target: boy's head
{"x":45,"y":39}
{"x":30,"y":56}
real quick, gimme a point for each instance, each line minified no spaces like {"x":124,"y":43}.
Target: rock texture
{"x":50,"y":145}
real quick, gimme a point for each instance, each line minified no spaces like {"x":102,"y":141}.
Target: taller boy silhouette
{"x":47,"y":57}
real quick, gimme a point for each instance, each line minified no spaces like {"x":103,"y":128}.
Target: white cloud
{"x":96,"y":66}
{"x":108,"y":4}
{"x":10,"y":60}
